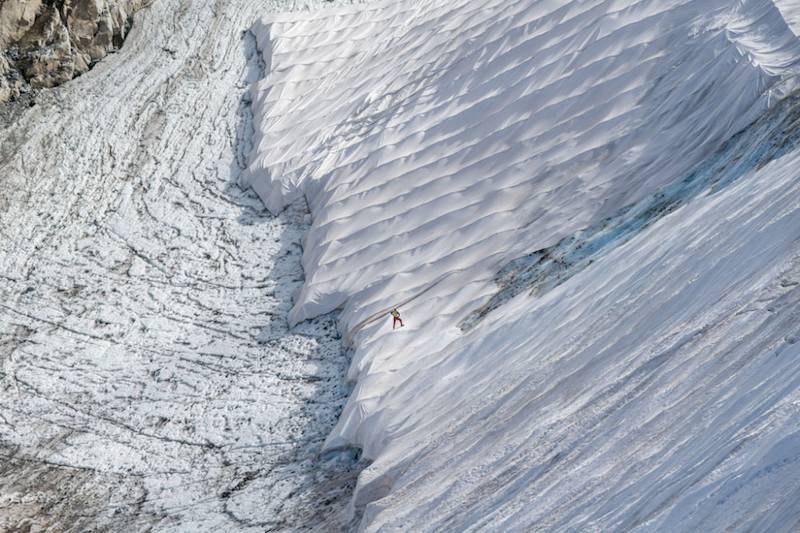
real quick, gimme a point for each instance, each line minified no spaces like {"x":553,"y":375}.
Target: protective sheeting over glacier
{"x":629,"y":169}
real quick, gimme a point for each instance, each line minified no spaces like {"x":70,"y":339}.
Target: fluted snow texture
{"x":642,"y":373}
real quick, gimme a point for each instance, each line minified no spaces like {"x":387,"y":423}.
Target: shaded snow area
{"x":149,"y":380}
{"x":589,"y":214}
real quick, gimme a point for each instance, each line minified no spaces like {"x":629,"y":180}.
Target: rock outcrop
{"x":44,"y":43}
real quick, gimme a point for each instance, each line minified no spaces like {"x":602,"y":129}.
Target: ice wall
{"x":428,"y":137}
{"x":437,"y":141}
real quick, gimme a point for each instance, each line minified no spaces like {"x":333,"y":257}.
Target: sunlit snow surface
{"x":601,"y":282}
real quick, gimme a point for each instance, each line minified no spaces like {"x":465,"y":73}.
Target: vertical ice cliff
{"x":654,"y":384}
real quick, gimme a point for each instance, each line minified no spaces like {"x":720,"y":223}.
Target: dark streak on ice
{"x":774,"y":134}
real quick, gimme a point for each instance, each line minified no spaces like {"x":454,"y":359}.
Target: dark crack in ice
{"x":149,"y":379}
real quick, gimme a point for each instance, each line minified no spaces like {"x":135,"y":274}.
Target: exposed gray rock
{"x":10,"y":81}
{"x":45,"y":43}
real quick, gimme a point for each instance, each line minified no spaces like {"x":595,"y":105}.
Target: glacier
{"x":148,"y":378}
{"x":588,"y":214}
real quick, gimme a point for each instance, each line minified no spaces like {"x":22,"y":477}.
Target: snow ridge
{"x":437,"y":142}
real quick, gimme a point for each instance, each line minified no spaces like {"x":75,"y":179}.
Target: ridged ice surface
{"x":148,"y":378}
{"x":599,"y":281}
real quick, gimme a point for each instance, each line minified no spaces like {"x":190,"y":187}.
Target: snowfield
{"x":589,"y":213}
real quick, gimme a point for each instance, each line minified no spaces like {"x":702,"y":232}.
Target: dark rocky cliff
{"x":44,"y":43}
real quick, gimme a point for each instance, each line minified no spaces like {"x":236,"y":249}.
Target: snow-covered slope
{"x":598,"y":276}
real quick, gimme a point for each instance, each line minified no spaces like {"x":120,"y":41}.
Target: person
{"x":396,"y":317}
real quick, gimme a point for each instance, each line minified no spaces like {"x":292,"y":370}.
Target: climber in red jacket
{"x":396,"y":317}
